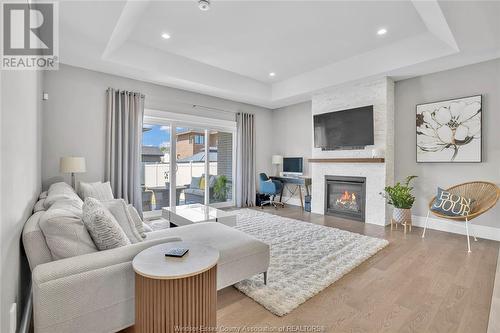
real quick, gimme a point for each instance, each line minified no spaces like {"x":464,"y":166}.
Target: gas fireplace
{"x":345,"y":197}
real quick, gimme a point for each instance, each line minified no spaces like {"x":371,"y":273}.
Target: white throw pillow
{"x":100,"y":191}
{"x":102,"y":226}
{"x":59,"y":191}
{"x":122,"y":214}
{"x":64,"y":232}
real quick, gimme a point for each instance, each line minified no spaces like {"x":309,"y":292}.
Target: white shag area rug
{"x":305,"y":258}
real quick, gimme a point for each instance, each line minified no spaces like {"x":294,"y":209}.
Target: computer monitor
{"x":293,"y":166}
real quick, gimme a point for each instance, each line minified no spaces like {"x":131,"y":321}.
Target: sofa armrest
{"x":91,"y":261}
{"x":76,"y":294}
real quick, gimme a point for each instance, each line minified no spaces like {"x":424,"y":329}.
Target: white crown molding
{"x":129,"y":17}
{"x":180,"y":72}
{"x":121,"y":56}
{"x":434,"y":20}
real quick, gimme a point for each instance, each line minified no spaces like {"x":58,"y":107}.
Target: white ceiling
{"x":229,"y":51}
{"x":255,"y":38}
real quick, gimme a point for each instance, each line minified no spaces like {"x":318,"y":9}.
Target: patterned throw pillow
{"x":450,"y":204}
{"x":102,"y":226}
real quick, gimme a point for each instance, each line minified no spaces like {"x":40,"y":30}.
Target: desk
{"x":297,"y":181}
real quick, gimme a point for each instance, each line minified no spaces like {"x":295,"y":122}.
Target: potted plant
{"x":402,"y":199}
{"x":220,"y":188}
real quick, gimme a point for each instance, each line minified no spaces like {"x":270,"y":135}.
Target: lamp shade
{"x":277,"y":159}
{"x":72,"y":164}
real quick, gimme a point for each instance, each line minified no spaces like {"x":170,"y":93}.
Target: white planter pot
{"x":402,"y":215}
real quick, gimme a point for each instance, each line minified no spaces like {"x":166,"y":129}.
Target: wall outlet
{"x":13,"y":318}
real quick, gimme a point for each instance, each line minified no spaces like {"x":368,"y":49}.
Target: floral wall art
{"x":449,"y":131}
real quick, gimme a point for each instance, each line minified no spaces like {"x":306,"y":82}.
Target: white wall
{"x":20,"y":179}
{"x":292,"y":137}
{"x":482,"y":78}
{"x":74,"y":117}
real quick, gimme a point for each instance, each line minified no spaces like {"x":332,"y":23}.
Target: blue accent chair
{"x":271,"y":188}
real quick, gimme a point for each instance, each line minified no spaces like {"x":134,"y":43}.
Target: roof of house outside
{"x":189,"y":131}
{"x":152,"y":151}
{"x":200,"y":157}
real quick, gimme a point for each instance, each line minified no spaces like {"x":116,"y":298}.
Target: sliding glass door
{"x":155,"y":162}
{"x":190,"y":165}
{"x":221,"y":167}
{"x":184,"y":164}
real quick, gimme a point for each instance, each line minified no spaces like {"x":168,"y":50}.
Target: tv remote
{"x":176,"y":252}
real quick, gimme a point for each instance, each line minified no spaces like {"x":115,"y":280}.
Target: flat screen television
{"x":346,"y":129}
{"x":293,"y":165}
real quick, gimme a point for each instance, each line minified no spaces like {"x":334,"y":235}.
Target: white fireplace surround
{"x":380,"y":94}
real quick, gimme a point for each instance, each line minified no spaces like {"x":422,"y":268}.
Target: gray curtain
{"x":245,"y":161}
{"x":125,"y":111}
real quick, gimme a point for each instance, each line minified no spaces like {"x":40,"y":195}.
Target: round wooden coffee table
{"x":176,"y":294}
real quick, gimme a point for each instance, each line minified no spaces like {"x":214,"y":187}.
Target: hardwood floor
{"x":412,"y":285}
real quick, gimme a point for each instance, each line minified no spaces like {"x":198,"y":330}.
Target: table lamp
{"x":277,"y":160}
{"x":72,"y":165}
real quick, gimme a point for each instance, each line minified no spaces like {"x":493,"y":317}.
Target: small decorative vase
{"x":402,"y":216}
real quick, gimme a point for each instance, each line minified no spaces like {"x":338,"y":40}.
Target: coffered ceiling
{"x":230,"y":50}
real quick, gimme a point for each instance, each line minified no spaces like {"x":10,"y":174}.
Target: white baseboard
{"x":477,"y":230}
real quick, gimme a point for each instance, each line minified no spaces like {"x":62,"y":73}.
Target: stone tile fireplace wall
{"x":380,"y":94}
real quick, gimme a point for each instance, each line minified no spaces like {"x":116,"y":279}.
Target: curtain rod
{"x":185,"y":103}
{"x":212,"y":108}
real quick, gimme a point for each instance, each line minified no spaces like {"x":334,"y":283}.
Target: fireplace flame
{"x":347,"y":201}
{"x":347,"y":197}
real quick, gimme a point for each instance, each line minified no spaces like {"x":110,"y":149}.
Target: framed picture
{"x":450,"y":131}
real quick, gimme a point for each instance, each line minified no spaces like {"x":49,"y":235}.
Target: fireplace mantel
{"x":347,"y":160}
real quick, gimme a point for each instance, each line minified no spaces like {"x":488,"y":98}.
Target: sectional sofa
{"x":94,"y":292}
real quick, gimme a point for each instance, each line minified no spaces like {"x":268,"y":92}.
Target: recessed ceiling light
{"x":204,"y":5}
{"x":272,"y":74}
{"x":165,"y":35}
{"x":382,"y":31}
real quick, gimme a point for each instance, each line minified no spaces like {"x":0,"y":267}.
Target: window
{"x":201,"y":146}
{"x":155,"y":166}
{"x":199,"y":139}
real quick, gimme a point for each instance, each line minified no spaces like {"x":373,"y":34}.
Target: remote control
{"x":176,"y":252}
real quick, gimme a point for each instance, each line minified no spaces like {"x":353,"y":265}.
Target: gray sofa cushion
{"x":34,"y":242}
{"x":60,"y":191}
{"x":64,"y":232}
{"x":211,"y":181}
{"x":195,"y":191}
{"x":120,"y":210}
{"x":102,"y":225}
{"x":195,"y":182}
